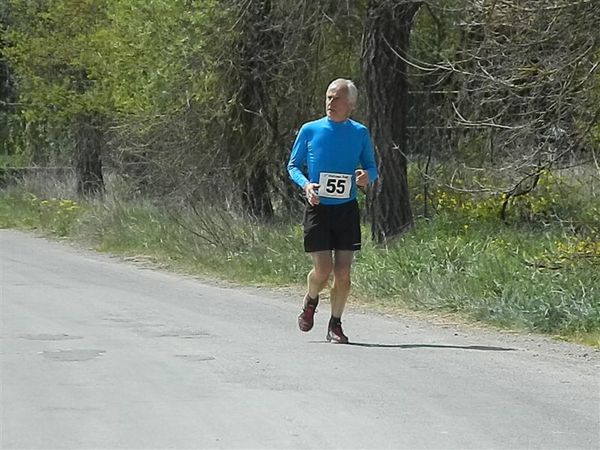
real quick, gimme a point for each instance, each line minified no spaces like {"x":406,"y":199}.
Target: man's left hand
{"x":362,"y":178}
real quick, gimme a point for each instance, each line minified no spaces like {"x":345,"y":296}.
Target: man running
{"x":332,"y":148}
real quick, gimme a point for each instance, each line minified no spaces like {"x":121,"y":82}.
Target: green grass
{"x":499,"y":276}
{"x":544,"y":279}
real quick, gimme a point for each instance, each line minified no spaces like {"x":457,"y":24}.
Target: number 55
{"x":338,"y":186}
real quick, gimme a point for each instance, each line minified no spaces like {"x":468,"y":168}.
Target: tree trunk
{"x":89,"y":140}
{"x":256,"y":197}
{"x":387,"y":39}
{"x":258,"y":47}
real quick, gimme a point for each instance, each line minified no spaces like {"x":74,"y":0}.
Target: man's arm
{"x":297,"y":159}
{"x":367,"y":163}
{"x":294,"y":167}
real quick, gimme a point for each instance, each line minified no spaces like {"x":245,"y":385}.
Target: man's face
{"x":336,"y":103}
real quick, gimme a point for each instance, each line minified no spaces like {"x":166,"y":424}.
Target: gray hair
{"x":351,"y":91}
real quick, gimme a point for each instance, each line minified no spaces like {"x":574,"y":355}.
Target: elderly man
{"x":338,"y":156}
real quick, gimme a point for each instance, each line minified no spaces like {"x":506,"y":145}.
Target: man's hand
{"x":362,"y":178}
{"x":310,"y":189}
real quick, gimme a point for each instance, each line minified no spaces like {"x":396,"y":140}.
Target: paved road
{"x":100,"y":353}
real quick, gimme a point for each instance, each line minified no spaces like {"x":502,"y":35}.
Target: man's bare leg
{"x":341,"y":281}
{"x":319,"y":275}
{"x":339,"y":295}
{"x":317,"y":279}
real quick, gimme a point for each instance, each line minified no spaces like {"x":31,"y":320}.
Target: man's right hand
{"x":311,"y":191}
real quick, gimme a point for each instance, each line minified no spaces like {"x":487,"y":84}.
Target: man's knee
{"x":342,"y":276}
{"x":321,"y":273}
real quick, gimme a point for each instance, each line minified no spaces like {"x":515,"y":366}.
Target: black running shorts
{"x":332,"y":227}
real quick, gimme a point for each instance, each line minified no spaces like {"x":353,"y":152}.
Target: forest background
{"x":161,"y":129}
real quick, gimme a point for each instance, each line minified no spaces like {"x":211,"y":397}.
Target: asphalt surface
{"x":97,"y":352}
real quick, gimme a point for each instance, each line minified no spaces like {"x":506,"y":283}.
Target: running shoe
{"x":336,"y":335}
{"x":306,"y":317}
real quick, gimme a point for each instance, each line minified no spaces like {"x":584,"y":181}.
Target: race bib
{"x":335,"y":185}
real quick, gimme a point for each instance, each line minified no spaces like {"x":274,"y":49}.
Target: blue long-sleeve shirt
{"x":327,"y":147}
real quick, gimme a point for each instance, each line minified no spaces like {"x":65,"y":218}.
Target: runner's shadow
{"x":460,"y":347}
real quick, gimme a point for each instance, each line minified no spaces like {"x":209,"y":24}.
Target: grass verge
{"x":544,"y":280}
